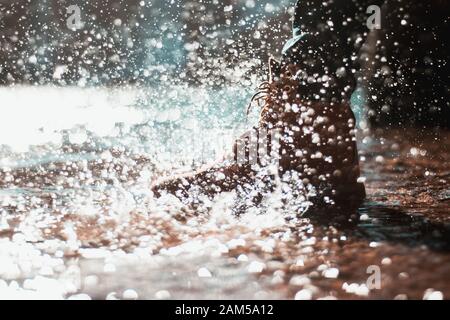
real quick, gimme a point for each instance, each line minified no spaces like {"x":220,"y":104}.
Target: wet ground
{"x":78,"y":221}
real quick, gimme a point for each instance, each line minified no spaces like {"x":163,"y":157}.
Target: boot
{"x":316,"y":135}
{"x":317,"y":141}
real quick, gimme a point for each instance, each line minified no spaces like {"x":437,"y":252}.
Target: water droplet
{"x":204,"y":273}
{"x":256,"y":267}
{"x":163,"y":295}
{"x":130,"y":294}
{"x":304,"y":294}
{"x":331,"y":273}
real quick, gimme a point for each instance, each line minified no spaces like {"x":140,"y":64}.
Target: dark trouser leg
{"x":408,"y":81}
{"x":334,"y":33}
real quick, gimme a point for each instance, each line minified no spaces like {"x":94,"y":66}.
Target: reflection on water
{"x":385,"y":224}
{"x":376,"y":222}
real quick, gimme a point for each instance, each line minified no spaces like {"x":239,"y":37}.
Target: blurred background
{"x":214,"y":43}
{"x":139,"y":41}
{"x":152,"y":76}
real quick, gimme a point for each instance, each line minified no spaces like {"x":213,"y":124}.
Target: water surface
{"x":77,"y":219}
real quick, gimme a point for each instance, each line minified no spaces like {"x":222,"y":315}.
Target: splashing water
{"x":78,"y":220}
{"x":75,"y":174}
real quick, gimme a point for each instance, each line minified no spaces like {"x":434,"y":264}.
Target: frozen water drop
{"x":256,"y":267}
{"x":331,"y":273}
{"x":304,"y":294}
{"x":163,"y":295}
{"x":130,"y":294}
{"x":204,"y":273}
